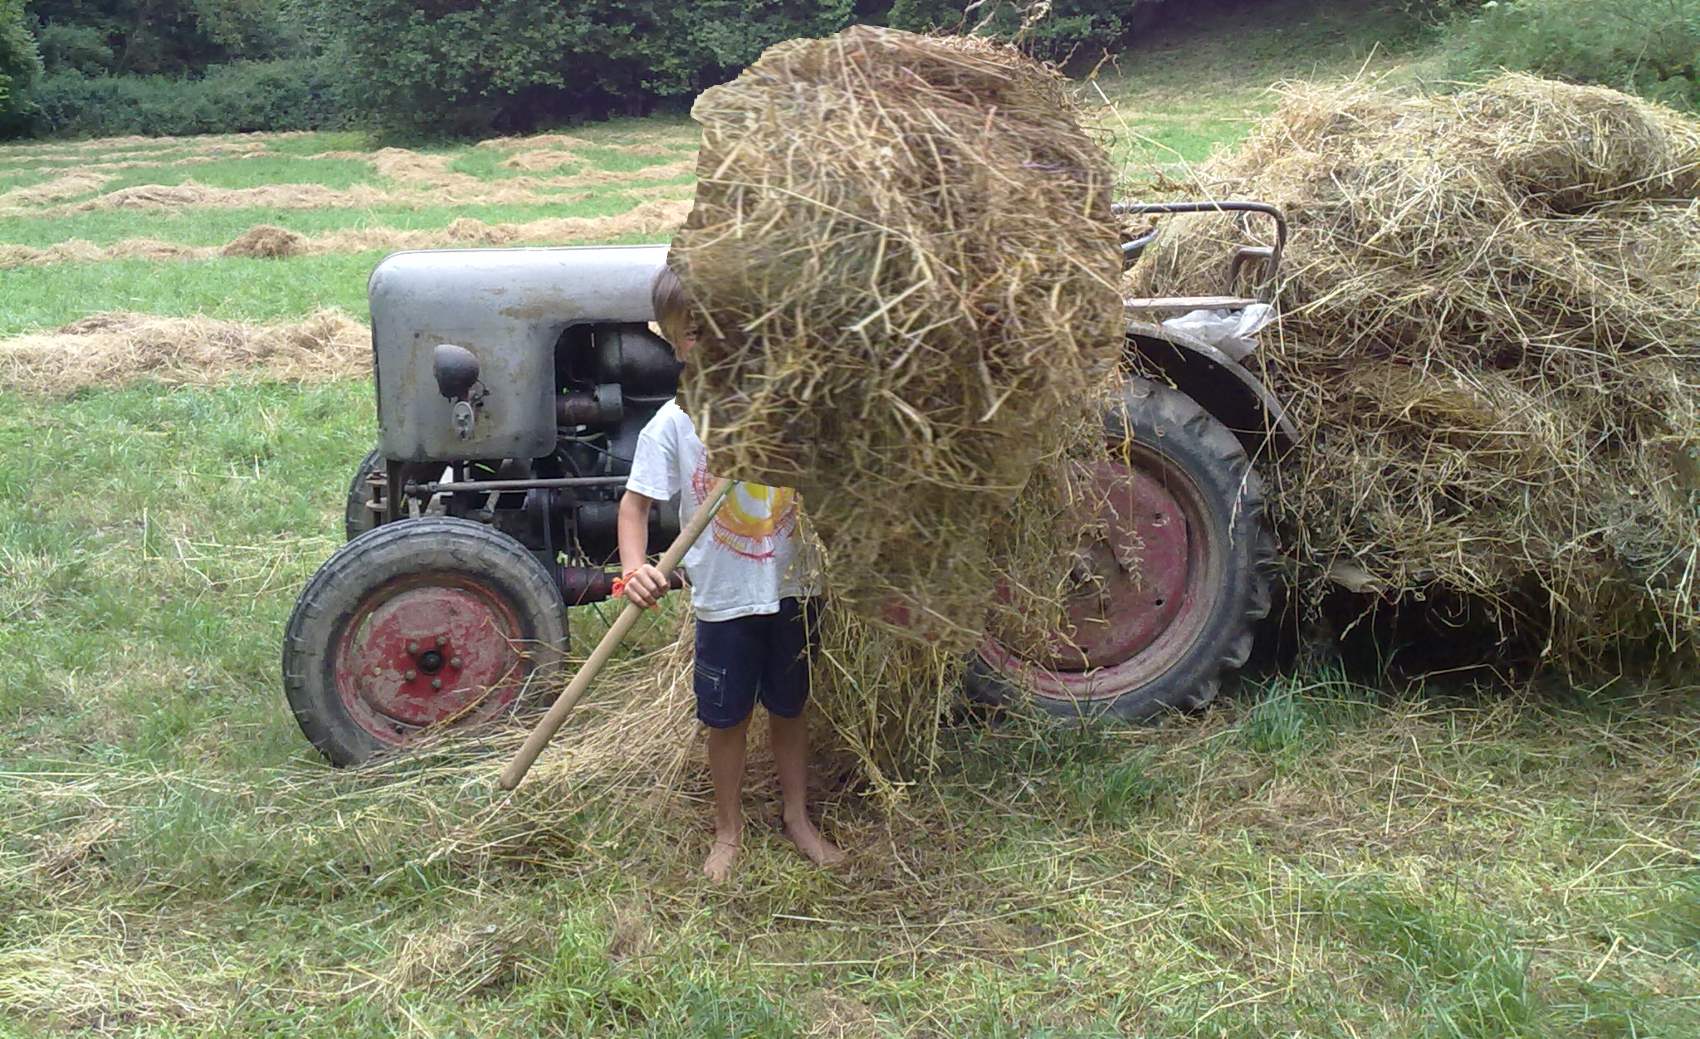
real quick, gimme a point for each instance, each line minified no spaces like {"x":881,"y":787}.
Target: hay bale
{"x":1492,"y":336}
{"x":903,"y":256}
{"x":264,"y":242}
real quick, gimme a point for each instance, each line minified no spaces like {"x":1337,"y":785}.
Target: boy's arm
{"x":643,"y":582}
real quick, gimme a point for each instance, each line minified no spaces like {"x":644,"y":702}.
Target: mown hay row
{"x":658,"y":171}
{"x":107,"y":350}
{"x":1492,"y":340}
{"x":648,"y":144}
{"x":265,"y":241}
{"x":58,"y":189}
{"x":142,"y":145}
{"x":76,"y":250}
{"x":190,"y":195}
{"x":219,"y":154}
{"x":452,"y":189}
{"x":539,"y":159}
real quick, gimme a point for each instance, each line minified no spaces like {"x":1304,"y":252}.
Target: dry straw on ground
{"x":1492,"y":339}
{"x":64,"y":186}
{"x":265,"y":241}
{"x":421,"y":184}
{"x":111,"y":349}
{"x":902,"y":252}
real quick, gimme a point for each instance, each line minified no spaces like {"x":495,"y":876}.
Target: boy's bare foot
{"x":718,"y":866}
{"x":815,"y":848}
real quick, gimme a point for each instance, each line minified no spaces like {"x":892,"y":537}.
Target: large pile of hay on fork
{"x":1492,"y":336}
{"x":906,"y":268}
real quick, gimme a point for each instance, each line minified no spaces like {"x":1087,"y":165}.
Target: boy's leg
{"x":725,"y":683}
{"x":790,"y":739}
{"x":784,"y":692}
{"x":726,"y":749}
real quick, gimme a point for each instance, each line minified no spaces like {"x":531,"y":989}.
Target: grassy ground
{"x":1314,"y":857}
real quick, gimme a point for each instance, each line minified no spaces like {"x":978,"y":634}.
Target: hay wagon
{"x":511,"y":387}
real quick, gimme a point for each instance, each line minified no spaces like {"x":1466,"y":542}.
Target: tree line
{"x":80,"y":67}
{"x":465,"y":67}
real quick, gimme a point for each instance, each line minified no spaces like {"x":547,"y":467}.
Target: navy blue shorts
{"x":763,"y":657}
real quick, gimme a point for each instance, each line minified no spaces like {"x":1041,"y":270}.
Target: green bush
{"x":1650,"y":47}
{"x":75,"y":48}
{"x":162,"y":37}
{"x":1060,"y":30}
{"x":513,"y":65}
{"x":20,"y":66}
{"x":295,"y":94}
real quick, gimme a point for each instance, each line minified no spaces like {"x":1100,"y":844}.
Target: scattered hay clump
{"x":1491,"y":333}
{"x":264,"y":242}
{"x":902,"y":253}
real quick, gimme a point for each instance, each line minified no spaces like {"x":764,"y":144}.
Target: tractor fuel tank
{"x":508,"y":307}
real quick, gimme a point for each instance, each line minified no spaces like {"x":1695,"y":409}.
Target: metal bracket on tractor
{"x":512,"y":385}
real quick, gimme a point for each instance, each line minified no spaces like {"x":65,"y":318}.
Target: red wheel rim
{"x":425,"y":651}
{"x":1147,"y":590}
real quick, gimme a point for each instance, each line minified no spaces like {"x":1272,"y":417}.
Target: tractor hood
{"x":508,"y":307}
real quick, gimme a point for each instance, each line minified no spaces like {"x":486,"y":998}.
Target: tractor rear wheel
{"x":416,"y":627}
{"x":1167,"y":603}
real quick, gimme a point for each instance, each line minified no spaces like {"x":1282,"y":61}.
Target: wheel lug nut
{"x":411,"y":675}
{"x":454,"y":662}
{"x":413,"y":647}
{"x":436,"y":683}
{"x":440,"y":641}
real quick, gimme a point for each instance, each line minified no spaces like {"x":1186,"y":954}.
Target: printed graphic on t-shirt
{"x":755,"y":518}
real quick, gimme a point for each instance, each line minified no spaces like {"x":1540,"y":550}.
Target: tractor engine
{"x":512,"y":386}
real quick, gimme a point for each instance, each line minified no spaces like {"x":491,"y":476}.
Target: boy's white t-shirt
{"x":745,"y":562}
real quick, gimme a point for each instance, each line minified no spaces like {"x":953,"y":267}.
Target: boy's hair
{"x":672,"y":306}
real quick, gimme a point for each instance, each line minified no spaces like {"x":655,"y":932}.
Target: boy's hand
{"x":645,"y":586}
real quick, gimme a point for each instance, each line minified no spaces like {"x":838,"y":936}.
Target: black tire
{"x":489,"y":596}
{"x":1203,"y":463}
{"x":357,"y":518}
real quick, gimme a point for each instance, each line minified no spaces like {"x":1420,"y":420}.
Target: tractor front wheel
{"x":1165,"y":606}
{"x":364,"y":508}
{"x":360,"y":512}
{"x":415,"y":627}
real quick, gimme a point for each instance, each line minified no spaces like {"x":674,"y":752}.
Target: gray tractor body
{"x":518,"y":380}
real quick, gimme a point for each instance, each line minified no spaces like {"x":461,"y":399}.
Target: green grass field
{"x":1315,"y":856}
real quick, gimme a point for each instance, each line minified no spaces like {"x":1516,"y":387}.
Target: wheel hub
{"x":1140,"y":593}
{"x":1129,"y":586}
{"x":420,"y":653}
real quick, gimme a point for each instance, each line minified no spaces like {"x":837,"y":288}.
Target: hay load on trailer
{"x":1491,"y":340}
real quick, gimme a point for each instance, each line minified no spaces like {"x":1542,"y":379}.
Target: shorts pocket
{"x":710,"y":683}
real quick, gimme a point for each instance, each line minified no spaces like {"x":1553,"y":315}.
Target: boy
{"x":754,"y":622}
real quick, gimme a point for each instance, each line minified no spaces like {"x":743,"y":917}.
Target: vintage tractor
{"x":511,"y":386}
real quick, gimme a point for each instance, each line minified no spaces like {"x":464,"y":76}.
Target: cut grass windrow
{"x":655,"y":217}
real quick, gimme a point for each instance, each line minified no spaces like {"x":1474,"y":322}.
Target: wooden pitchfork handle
{"x":563,"y":706}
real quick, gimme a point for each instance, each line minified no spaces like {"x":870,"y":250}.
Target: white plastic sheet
{"x":1234,"y":332}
